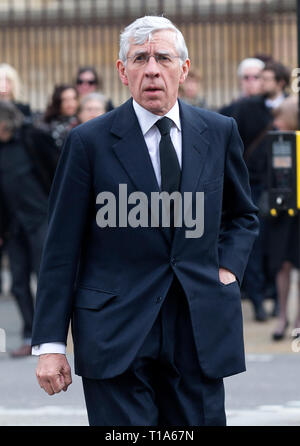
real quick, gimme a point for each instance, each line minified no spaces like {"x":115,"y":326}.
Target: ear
{"x":184,"y":71}
{"x":122,"y":72}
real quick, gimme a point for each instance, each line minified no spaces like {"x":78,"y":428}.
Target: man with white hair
{"x":250,"y":83}
{"x":249,"y":74}
{"x":156,"y":315}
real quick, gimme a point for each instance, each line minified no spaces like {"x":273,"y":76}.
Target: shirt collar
{"x":147,"y":119}
{"x":273,"y":103}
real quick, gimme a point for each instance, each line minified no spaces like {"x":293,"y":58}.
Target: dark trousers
{"x":164,"y":386}
{"x":24,"y":252}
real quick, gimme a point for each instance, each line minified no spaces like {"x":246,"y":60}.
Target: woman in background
{"x":284,"y":233}
{"x":10,"y":88}
{"x":61,"y":114}
{"x":91,"y":106}
{"x":88,"y":81}
{"x":10,"y":91}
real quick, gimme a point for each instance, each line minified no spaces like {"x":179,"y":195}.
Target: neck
{"x":275,"y":95}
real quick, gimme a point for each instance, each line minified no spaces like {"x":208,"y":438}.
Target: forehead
{"x":69,"y":92}
{"x":87,"y":73}
{"x":268,"y":74}
{"x":93,"y":103}
{"x":159,"y":40}
{"x":251,"y":70}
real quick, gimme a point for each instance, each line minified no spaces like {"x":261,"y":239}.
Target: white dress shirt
{"x":152,"y":137}
{"x":274,"y":103}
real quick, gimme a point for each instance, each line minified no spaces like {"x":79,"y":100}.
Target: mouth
{"x":151,"y":90}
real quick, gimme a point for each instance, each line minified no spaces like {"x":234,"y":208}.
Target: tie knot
{"x":164,"y":125}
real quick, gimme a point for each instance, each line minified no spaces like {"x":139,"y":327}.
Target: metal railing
{"x":46,"y":40}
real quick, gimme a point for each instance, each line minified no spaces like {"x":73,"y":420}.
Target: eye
{"x":140,"y":58}
{"x":163,"y":58}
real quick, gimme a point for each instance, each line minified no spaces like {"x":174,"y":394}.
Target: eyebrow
{"x":139,"y":53}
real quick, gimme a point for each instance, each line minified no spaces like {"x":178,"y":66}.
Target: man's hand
{"x":226,"y":276}
{"x":53,"y":373}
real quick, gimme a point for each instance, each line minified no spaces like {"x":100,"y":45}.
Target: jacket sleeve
{"x":1,"y":218}
{"x":68,"y":209}
{"x":239,"y":225}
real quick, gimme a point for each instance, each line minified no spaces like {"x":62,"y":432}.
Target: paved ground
{"x":267,"y":394}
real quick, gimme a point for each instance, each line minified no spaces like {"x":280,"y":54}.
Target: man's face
{"x":154,"y":85}
{"x":271,"y":87}
{"x":251,"y":83}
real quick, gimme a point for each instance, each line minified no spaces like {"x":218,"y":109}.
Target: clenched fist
{"x":53,"y":373}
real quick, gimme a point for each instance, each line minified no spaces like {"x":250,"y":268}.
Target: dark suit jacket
{"x":113,"y":281}
{"x":43,"y":154}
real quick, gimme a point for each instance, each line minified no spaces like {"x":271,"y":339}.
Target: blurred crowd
{"x":30,"y":147}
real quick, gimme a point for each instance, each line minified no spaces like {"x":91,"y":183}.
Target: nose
{"x":152,"y":68}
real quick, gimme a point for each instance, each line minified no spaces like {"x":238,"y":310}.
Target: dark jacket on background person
{"x":3,"y":224}
{"x":254,"y":119}
{"x":30,"y":156}
{"x":24,"y":109}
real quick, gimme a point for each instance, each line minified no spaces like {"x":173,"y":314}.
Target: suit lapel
{"x":132,"y":152}
{"x":194,"y":148}
{"x":194,"y":151}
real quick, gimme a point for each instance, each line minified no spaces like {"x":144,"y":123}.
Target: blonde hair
{"x":9,"y":72}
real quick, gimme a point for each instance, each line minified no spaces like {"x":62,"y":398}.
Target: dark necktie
{"x":169,"y":165}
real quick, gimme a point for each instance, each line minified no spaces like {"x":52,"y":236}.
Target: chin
{"x":154,"y":106}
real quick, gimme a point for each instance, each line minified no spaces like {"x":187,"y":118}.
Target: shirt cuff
{"x":49,"y":347}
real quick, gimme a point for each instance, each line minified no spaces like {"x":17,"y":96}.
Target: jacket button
{"x":158,"y":299}
{"x":173,"y":261}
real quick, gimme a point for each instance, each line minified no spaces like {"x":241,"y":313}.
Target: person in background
{"x":190,"y":91}
{"x":89,"y":81}
{"x":264,"y":57}
{"x":27,"y":163}
{"x":249,"y":74}
{"x":254,"y":117}
{"x":250,"y":83}
{"x":61,"y":114}
{"x":283,"y":240}
{"x":275,"y":83}
{"x":10,"y":88}
{"x":10,"y":91}
{"x":91,"y":106}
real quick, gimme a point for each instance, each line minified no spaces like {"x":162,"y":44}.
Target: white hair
{"x":250,"y":62}
{"x":142,"y":29}
{"x":94,"y":96}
